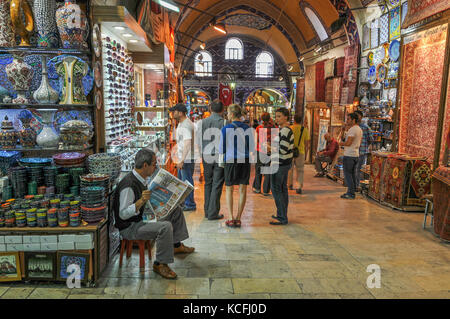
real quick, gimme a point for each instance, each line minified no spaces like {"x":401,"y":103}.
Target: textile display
{"x":310,"y":83}
{"x":394,"y":23}
{"x":300,"y":96}
{"x":423,"y":60}
{"x":323,"y":129}
{"x":329,"y":68}
{"x":420,"y":183}
{"x":394,"y":179}
{"x":446,"y":127}
{"x":225,"y":94}
{"x":340,"y":66}
{"x":329,"y":91}
{"x":366,"y":37}
{"x":337,"y":114}
{"x":364,"y":72}
{"x":384,"y":28}
{"x":320,"y":81}
{"x":376,"y":170}
{"x":337,"y":84}
{"x":351,"y":62}
{"x":441,"y":202}
{"x":374,"y":34}
{"x":421,"y":9}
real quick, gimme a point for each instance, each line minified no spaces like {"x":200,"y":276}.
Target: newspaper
{"x":168,"y":192}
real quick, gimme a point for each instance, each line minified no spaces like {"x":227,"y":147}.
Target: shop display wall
{"x":310,"y":83}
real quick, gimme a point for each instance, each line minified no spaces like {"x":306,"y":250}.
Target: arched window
{"x":264,"y":65}
{"x":315,"y":21}
{"x":203,"y":64}
{"x":234,"y":49}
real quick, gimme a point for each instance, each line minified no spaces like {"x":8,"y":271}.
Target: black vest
{"x":128,"y":181}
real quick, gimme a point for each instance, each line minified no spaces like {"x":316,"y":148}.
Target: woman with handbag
{"x":236,"y":147}
{"x":301,"y":141}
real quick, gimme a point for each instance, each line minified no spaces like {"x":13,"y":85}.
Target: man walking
{"x":209,"y":147}
{"x":366,"y":140}
{"x":351,"y":154}
{"x":185,"y":151}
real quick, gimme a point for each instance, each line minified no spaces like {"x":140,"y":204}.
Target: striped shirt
{"x":286,"y":144}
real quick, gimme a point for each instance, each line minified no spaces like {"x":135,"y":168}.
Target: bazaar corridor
{"x":322,"y":253}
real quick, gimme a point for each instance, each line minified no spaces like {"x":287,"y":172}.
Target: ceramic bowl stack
{"x":93,"y":203}
{"x":50,"y":173}
{"x":68,"y":160}
{"x":18,"y":177}
{"x":101,"y":180}
{"x":8,"y":159}
{"x":35,"y":167}
{"x":105,"y":163}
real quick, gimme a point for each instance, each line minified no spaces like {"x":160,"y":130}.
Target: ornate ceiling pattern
{"x":247,"y":20}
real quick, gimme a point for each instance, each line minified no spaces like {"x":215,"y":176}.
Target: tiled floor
{"x":323,"y":253}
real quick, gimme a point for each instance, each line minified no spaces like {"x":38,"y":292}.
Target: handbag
{"x":296,"y":151}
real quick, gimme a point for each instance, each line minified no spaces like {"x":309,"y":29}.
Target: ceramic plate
{"x":370,"y":58}
{"x":35,"y":160}
{"x":98,"y":74}
{"x":386,"y":52}
{"x":381,"y":72}
{"x":97,"y":40}
{"x":372,"y":75}
{"x":393,"y":70}
{"x":394,"y":50}
{"x":380,"y":55}
{"x":69,"y":156}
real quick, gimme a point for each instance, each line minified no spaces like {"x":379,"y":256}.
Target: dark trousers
{"x":280,"y":193}
{"x":259,"y":177}
{"x":186,"y":174}
{"x":214,"y":178}
{"x":318,"y":162}
{"x":350,"y":164}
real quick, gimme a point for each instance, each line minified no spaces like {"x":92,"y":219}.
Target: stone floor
{"x":323,"y":253}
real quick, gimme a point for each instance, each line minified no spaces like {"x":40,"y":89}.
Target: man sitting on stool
{"x":129,"y":205}
{"x":327,"y":155}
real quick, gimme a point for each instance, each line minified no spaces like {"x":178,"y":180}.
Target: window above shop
{"x":316,"y":23}
{"x":203,"y":64}
{"x":234,"y":49}
{"x":264,"y":65}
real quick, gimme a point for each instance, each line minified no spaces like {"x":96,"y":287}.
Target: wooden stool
{"x":127,"y":245}
{"x":429,"y":204}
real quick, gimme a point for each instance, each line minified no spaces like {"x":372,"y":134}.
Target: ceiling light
{"x":119,"y":28}
{"x":127,"y":35}
{"x":203,"y":46}
{"x":220,"y":27}
{"x":290,"y":67}
{"x":169,"y":4}
{"x":301,"y":58}
{"x":318,"y":49}
{"x":133,"y":41}
{"x":280,"y":78}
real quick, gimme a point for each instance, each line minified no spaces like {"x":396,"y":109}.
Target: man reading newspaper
{"x":131,"y":203}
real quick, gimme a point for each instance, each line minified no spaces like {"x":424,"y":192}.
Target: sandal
{"x":230,"y":223}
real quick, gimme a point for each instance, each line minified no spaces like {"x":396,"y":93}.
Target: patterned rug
{"x":395,"y":175}
{"x":320,"y":81}
{"x":340,"y":66}
{"x":423,"y":61}
{"x":376,"y":168}
{"x":420,"y":183}
{"x":421,"y":9}
{"x":441,"y":202}
{"x":310,"y":83}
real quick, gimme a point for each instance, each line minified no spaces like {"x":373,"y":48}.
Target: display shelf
{"x":36,"y":149}
{"x":150,"y":109}
{"x":90,"y":227}
{"x":13,"y":106}
{"x":45,"y":51}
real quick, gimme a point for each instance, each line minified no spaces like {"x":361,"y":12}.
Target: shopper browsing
{"x":237,"y":143}
{"x":263,"y":145}
{"x":185,"y":151}
{"x":279,"y":178}
{"x":366,"y":140}
{"x":129,"y":204}
{"x":351,"y":154}
{"x":301,"y":142}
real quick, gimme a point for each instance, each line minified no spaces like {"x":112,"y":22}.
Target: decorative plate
{"x":98,"y":99}
{"x":370,"y":58}
{"x":372,"y":75}
{"x":35,"y":160}
{"x":386,"y":53}
{"x":381,"y":72}
{"x":69,"y":156}
{"x":98,"y":76}
{"x":394,"y":50}
{"x":97,"y":40}
{"x":379,"y":56}
{"x":393,"y":70}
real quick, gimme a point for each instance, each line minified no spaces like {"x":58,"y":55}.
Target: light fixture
{"x":318,"y":49}
{"x":290,"y":67}
{"x":302,"y":58}
{"x":280,"y":78}
{"x":232,"y":85}
{"x":169,"y":4}
{"x":220,"y":27}
{"x":127,"y":35}
{"x":133,"y":41}
{"x":203,"y":46}
{"x":119,"y":28}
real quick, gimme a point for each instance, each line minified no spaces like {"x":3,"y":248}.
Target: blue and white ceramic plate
{"x":372,"y":74}
{"x":394,"y":50}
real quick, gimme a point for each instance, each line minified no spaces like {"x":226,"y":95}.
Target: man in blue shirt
{"x":364,"y":147}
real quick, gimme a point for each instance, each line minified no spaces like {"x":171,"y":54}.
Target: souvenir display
{"x":66,"y":259}
{"x":8,"y":159}
{"x":6,"y":30}
{"x":18,"y":178}
{"x":72,"y":70}
{"x":384,"y":28}
{"x":381,"y":72}
{"x":73,"y":35}
{"x":44,"y":13}
{"x":393,"y":70}
{"x":20,"y":74}
{"x":76,"y":134}
{"x":379,"y":55}
{"x":21,"y":27}
{"x":97,"y":40}
{"x":45,"y":94}
{"x":394,"y":50}
{"x":394,"y":23}
{"x":8,"y":135}
{"x":392,"y":95}
{"x":105,"y":163}
{"x":101,"y":180}
{"x":372,"y":74}
{"x":40,"y":266}
{"x":393,"y":3}
{"x":11,"y":268}
{"x":370,"y":57}
{"x":386,"y":53}
{"x":47,"y":138}
{"x":69,"y":159}
{"x":374,"y":34}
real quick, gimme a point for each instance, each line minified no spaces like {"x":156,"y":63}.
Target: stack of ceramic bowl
{"x":68,"y":160}
{"x":101,"y":180}
{"x":62,"y":183}
{"x":93,"y":203}
{"x":50,"y":173}
{"x":105,"y":163}
{"x":18,"y":178}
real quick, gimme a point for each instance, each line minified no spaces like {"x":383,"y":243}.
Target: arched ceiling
{"x":279,"y":23}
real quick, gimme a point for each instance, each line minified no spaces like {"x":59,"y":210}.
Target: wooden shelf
{"x":47,"y":106}
{"x":90,"y":227}
{"x":44,"y":51}
{"x":150,"y":109}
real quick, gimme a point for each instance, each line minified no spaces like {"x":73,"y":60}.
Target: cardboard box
{"x":14,"y":247}
{"x":13,"y":239}
{"x":83,"y":246}
{"x":2,"y":239}
{"x":31,"y":247}
{"x":31,"y":239}
{"x":66,"y":246}
{"x":49,"y":247}
{"x":70,"y":238}
{"x":86,"y":238}
{"x":2,"y":247}
{"x":50,"y":239}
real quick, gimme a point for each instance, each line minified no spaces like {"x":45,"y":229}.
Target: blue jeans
{"x":361,"y":161}
{"x":350,"y":164}
{"x":186,"y":174}
{"x":278,"y":183}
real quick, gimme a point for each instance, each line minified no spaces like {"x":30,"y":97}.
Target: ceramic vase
{"x":6,"y":32}
{"x":45,"y":94}
{"x":72,"y":26}
{"x":47,"y":138}
{"x":20,"y":74}
{"x":8,"y":135}
{"x":27,"y":135}
{"x":21,"y":28}
{"x":44,"y":14}
{"x":72,"y":70}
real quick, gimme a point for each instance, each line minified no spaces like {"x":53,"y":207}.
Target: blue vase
{"x":44,"y":13}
